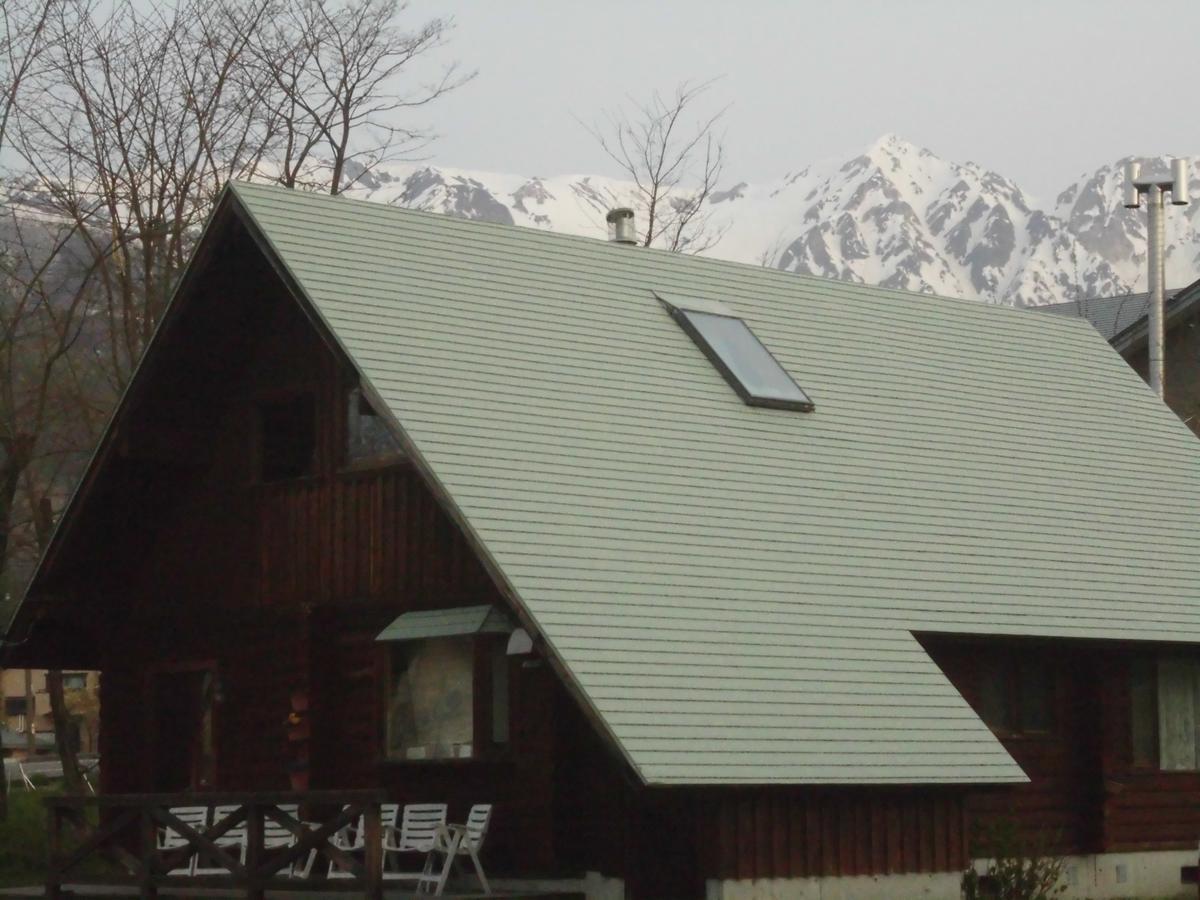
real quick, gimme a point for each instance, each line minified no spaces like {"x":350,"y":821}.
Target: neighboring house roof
{"x":734,"y":590}
{"x":1121,"y":320}
{"x":1108,"y":315}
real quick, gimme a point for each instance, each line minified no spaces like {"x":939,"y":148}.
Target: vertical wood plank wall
{"x":780,"y":833}
{"x":1085,"y":794}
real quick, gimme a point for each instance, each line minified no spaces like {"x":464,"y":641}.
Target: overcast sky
{"x":1039,"y":90}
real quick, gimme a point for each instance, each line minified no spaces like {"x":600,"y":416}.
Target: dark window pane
{"x":1036,"y":691}
{"x":368,"y":435}
{"x":743,"y":360}
{"x":994,"y":704}
{"x":14,"y":706}
{"x":287,"y":438}
{"x":1143,"y":712}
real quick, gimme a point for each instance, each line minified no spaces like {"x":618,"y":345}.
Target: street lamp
{"x":1154,"y":189}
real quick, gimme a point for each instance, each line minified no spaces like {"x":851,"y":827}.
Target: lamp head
{"x":1131,"y":196}
{"x":1179,"y":178}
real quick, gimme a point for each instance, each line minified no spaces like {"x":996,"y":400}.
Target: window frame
{"x":1153,"y":663}
{"x":1010,"y":667}
{"x":486,"y":647}
{"x":682,"y":316}
{"x":350,"y":463}
{"x":73,"y":677}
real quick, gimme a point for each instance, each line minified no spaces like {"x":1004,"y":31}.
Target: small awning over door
{"x":433,"y":623}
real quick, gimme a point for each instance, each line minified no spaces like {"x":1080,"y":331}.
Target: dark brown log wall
{"x":786,"y":832}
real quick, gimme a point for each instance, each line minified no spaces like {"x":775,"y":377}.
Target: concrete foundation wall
{"x":1106,"y":876}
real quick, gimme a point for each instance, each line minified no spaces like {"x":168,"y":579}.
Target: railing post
{"x":373,"y":851}
{"x":149,"y":832}
{"x":254,"y":851}
{"x":53,"y":850}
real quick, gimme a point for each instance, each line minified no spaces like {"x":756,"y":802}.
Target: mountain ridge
{"x":895,"y":214}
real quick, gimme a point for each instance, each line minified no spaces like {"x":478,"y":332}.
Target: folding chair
{"x":234,"y":839}
{"x":417,"y":834}
{"x":354,"y":839}
{"x":456,"y":840}
{"x":196,"y":818}
{"x":277,"y":836}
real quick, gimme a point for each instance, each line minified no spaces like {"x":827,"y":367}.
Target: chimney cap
{"x":621,"y":229}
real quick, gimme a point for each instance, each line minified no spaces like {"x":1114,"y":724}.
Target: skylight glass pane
{"x":743,"y":360}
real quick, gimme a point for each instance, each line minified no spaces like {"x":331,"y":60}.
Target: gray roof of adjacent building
{"x":1121,"y":319}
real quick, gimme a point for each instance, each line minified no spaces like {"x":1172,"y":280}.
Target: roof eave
{"x":1134,"y":336}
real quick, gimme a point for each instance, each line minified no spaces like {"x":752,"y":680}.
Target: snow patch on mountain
{"x":895,"y":215}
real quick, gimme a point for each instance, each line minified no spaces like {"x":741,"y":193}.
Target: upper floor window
{"x":1016,"y":694}
{"x":369,"y":437}
{"x":287,"y":437}
{"x":1164,"y":695}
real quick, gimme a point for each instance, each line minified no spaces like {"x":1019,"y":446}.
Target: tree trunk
{"x":43,"y":523}
{"x":3,"y":771}
{"x":10,"y":472}
{"x":73,"y":780}
{"x":30,"y":714}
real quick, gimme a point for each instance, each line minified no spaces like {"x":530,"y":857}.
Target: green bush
{"x":1020,"y":868}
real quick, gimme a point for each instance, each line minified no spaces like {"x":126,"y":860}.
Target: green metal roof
{"x":467,"y":620}
{"x":735,"y":589}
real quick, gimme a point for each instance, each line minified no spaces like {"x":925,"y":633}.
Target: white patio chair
{"x":276,"y":836}
{"x":195,"y":817}
{"x":417,"y":833}
{"x":354,"y":839}
{"x":234,"y":839}
{"x":456,"y":840}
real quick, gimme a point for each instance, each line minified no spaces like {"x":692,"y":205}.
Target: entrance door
{"x":183,"y":751}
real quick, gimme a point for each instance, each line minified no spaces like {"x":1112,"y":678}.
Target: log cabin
{"x":717,"y":581}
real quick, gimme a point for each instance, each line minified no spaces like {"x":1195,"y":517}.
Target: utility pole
{"x":1155,"y":189}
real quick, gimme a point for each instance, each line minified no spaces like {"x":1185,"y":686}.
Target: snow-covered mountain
{"x":895,"y":215}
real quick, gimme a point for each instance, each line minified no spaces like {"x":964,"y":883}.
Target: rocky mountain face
{"x":895,"y":215}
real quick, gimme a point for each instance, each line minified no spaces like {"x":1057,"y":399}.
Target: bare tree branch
{"x":675,"y":161}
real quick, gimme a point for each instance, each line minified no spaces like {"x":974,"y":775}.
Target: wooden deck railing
{"x":122,"y":831}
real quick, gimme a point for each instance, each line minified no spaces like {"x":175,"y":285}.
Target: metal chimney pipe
{"x":1154,"y":189}
{"x":1154,"y":254}
{"x":621,"y":229}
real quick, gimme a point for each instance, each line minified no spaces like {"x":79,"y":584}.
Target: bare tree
{"x":136,"y":122}
{"x":334,"y":79}
{"x":22,"y":39}
{"x":120,"y":123}
{"x":675,"y":159}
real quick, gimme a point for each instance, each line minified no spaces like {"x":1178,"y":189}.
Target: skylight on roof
{"x":742,"y":359}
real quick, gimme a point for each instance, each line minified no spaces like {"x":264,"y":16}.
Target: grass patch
{"x":23,"y":837}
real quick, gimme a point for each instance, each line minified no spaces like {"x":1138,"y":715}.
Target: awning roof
{"x":432,"y":623}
